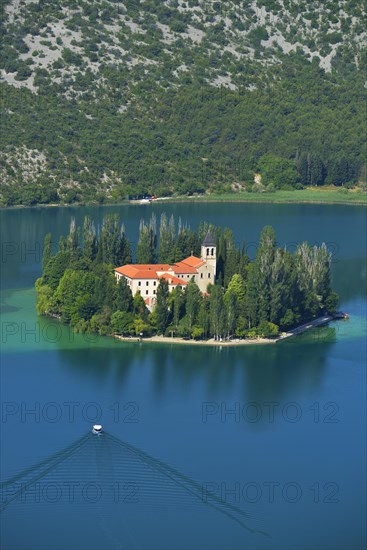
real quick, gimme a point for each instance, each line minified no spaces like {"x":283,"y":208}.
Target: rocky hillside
{"x":105,"y":95}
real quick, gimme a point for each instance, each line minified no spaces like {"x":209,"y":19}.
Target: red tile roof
{"x":142,"y":271}
{"x":193,"y":261}
{"x":172,"y":280}
{"x":150,"y":271}
{"x":180,"y":267}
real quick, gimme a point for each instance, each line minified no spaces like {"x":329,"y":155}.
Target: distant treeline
{"x":276,"y":291}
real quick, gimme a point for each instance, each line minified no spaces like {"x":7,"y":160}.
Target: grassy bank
{"x":311,"y":195}
{"x":317,"y":195}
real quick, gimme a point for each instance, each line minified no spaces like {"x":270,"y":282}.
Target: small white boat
{"x":97,"y":429}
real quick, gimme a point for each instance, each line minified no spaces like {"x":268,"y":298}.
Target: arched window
{"x":212,"y":251}
{"x":207,"y":251}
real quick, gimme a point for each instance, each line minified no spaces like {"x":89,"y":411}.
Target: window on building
{"x":147,"y":283}
{"x":212,"y":251}
{"x":201,"y":275}
{"x":208,"y":275}
{"x":155,"y":283}
{"x":207,"y":251}
{"x":147,"y":292}
{"x":139,"y":283}
{"x":154,"y":291}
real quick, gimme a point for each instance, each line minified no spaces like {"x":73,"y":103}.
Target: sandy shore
{"x":235,"y":342}
{"x":210,"y":342}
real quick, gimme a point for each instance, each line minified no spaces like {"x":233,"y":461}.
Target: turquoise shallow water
{"x":272,"y":436}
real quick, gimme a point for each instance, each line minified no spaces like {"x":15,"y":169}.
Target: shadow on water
{"x":257,"y":372}
{"x":106,"y":459}
{"x":4,"y":306}
{"x":350,"y":278}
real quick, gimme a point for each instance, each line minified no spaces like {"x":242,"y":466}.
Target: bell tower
{"x":209,"y":254}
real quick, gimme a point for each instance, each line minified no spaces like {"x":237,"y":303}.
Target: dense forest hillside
{"x":106,"y":98}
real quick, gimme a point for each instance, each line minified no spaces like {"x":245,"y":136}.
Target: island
{"x":184,"y":286}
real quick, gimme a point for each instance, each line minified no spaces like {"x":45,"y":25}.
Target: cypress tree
{"x":230,"y":303}
{"x":125,"y":253}
{"x":282,"y":286}
{"x":216,"y":311}
{"x":73,"y":240}
{"x":161,"y":311}
{"x":166,"y":240}
{"x":251,"y":303}
{"x":203,"y":316}
{"x":139,"y":307}
{"x":263,"y":266}
{"x":232,"y":265}
{"x":89,"y":238}
{"x":221,"y":260}
{"x":146,"y":249}
{"x":110,"y":239}
{"x":123,"y":299}
{"x":47,"y":250}
{"x":178,"y":300}
{"x":192,"y":302}
{"x":187,"y":243}
{"x":62,"y":244}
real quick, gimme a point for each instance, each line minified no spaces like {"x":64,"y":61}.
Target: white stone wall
{"x":146,"y":287}
{"x":205,"y":276}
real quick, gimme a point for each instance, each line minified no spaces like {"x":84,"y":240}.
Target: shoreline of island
{"x":320,"y":321}
{"x":278,"y":197}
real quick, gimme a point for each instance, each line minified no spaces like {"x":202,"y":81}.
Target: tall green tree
{"x":217,"y":311}
{"x":263,"y":267}
{"x":125,"y":253}
{"x":281,"y":285}
{"x":313,"y":275}
{"x":73,"y":240}
{"x":251,"y":302}
{"x":147,"y":245}
{"x":123,"y":298}
{"x":192,"y":303}
{"x":89,"y":238}
{"x":161,"y":310}
{"x":231,"y":311}
{"x":47,"y":250}
{"x":166,"y":253}
{"x":311,"y":168}
{"x":139,"y":307}
{"x":177,"y":304}
{"x":109,"y":241}
{"x":187,"y":243}
{"x":62,"y":244}
{"x":204,"y":316}
{"x":55,"y":268}
{"x":237,"y":285}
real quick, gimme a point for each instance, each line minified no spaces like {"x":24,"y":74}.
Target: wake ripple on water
{"x":118,"y":473}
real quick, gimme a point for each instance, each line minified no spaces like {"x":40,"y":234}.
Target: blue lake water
{"x":259,"y":447}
